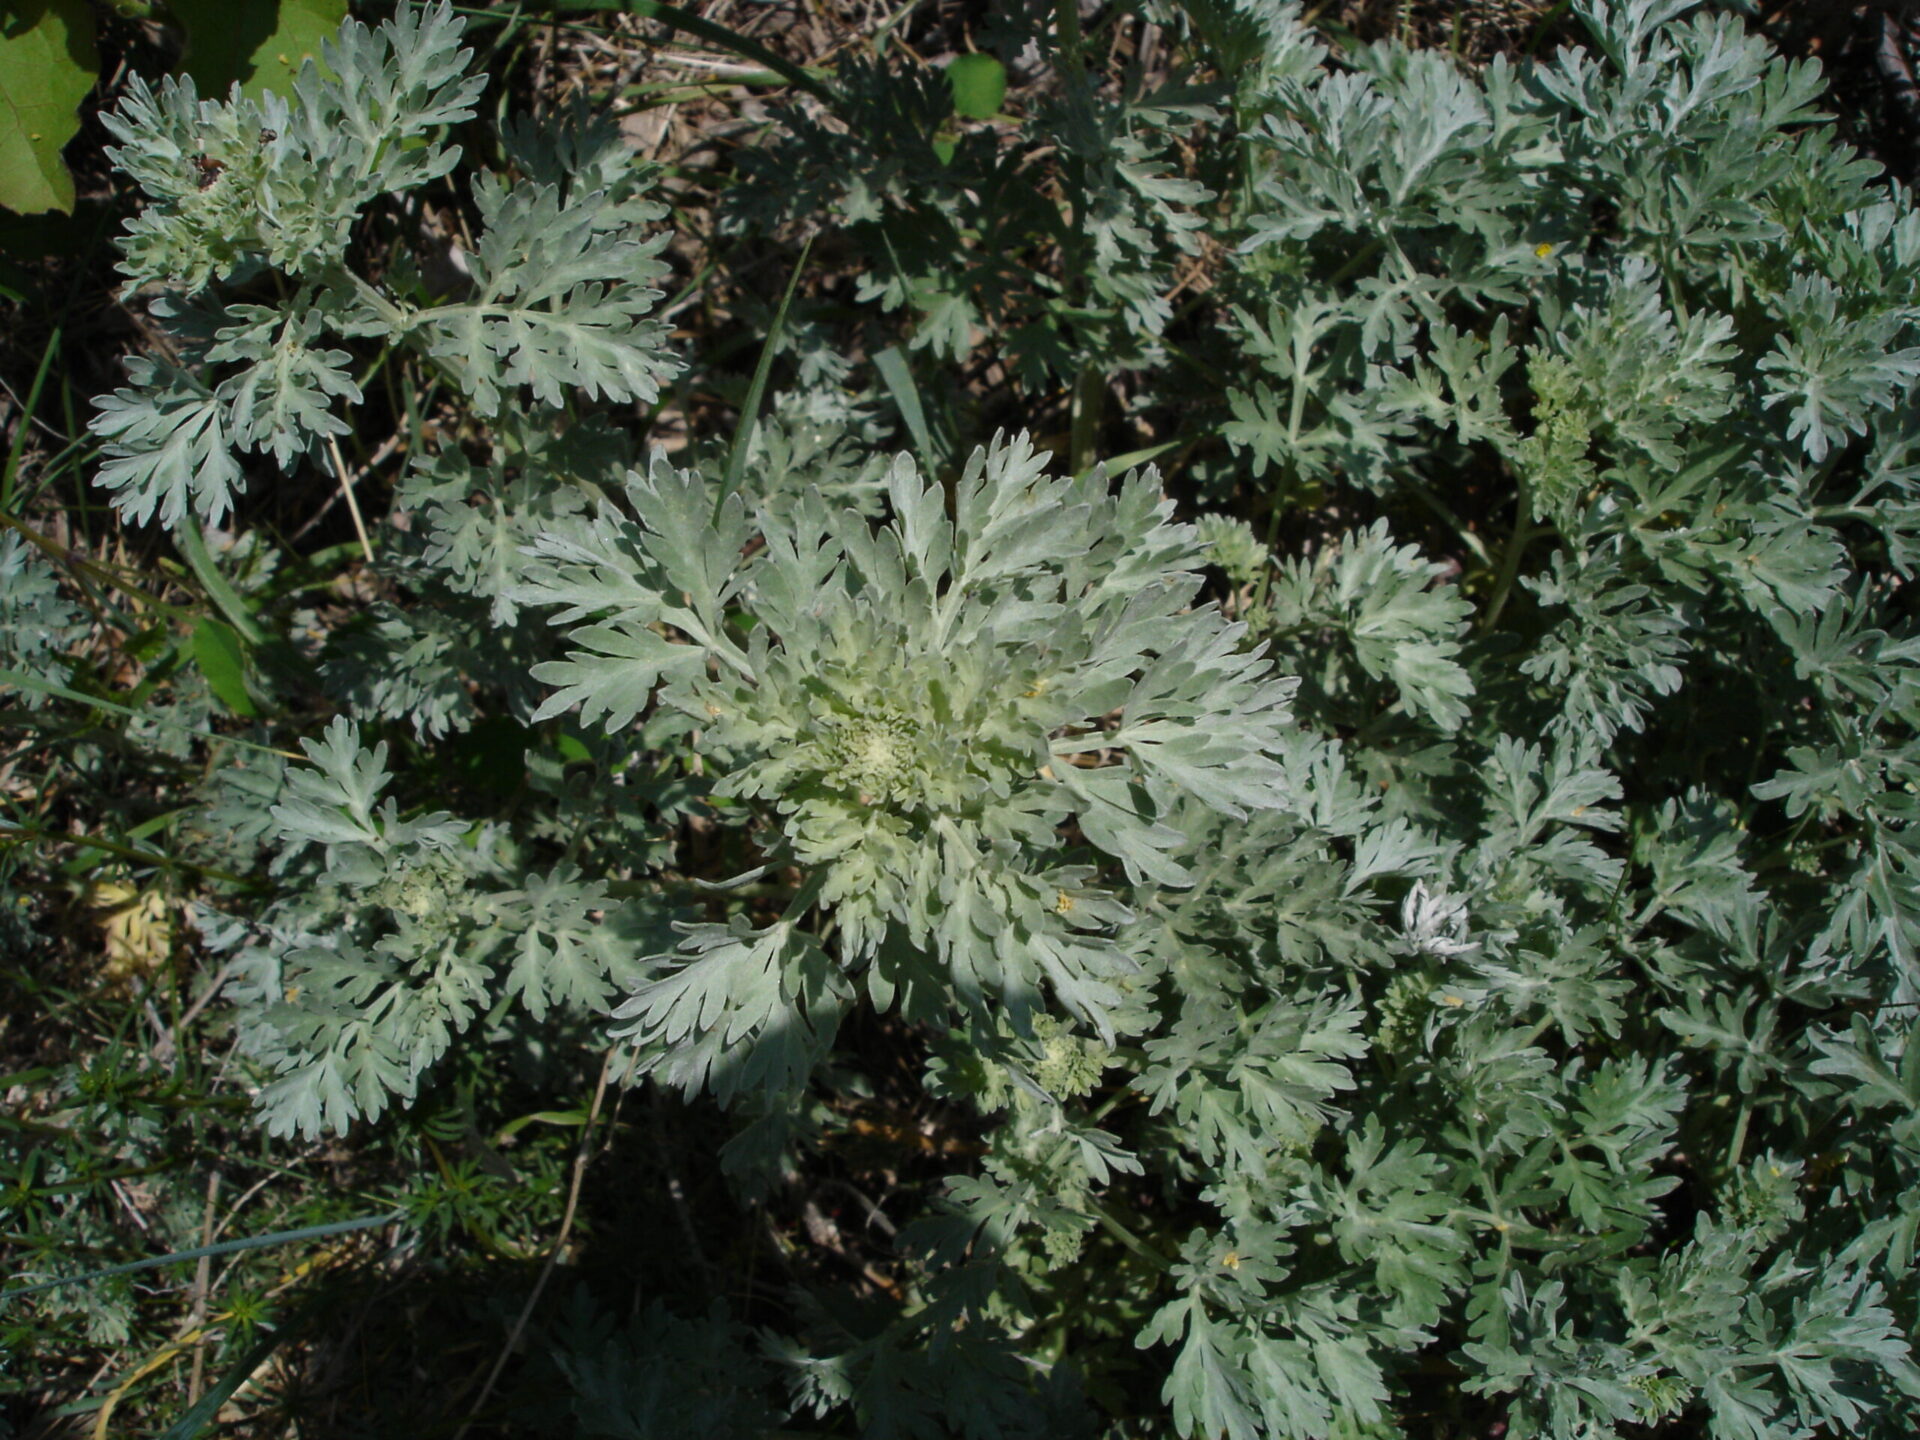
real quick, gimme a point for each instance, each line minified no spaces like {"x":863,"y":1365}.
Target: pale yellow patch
{"x":135,"y":926}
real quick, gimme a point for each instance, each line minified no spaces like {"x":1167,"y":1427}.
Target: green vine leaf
{"x":48,"y":63}
{"x":979,"y":85}
{"x":259,"y":46}
{"x":216,"y":650}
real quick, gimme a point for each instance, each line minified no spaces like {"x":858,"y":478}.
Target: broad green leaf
{"x":979,"y":85}
{"x":47,"y":65}
{"x":216,"y":650}
{"x":260,"y":45}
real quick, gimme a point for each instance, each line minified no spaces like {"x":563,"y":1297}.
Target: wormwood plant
{"x":1429,"y":944}
{"x":238,"y":189}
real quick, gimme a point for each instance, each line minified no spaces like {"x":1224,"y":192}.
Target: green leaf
{"x":167,"y":446}
{"x":613,"y":673}
{"x":891,"y":366}
{"x":47,"y":65}
{"x":195,"y":1421}
{"x":564,"y":950}
{"x":36,"y":623}
{"x":216,"y":650}
{"x":1207,"y":1385}
{"x":260,"y":46}
{"x":979,"y":85}
{"x":560,"y":301}
{"x":738,"y":1009}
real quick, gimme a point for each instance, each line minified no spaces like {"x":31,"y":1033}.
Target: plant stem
{"x":1066,"y":16}
{"x":1524,"y":534}
{"x":1111,"y":1224}
{"x":1739,"y":1141}
{"x":353,"y":505}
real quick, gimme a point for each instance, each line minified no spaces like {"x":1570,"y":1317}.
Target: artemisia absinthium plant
{"x":1489,"y":1002}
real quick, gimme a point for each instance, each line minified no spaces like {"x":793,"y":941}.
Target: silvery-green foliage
{"x":1612,"y":654}
{"x":560,"y":279}
{"x":1132,"y":210}
{"x":817,"y":441}
{"x":955,"y":222}
{"x":36,"y":623}
{"x":1470,"y":970}
{"x":469,"y":529}
{"x":280,"y":181}
{"x":1397,"y":623}
{"x":1441,"y":180}
{"x":414,"y":663}
{"x":396,"y":936}
{"x":921,"y":707}
{"x":1232,"y":545}
{"x":1696,"y":365}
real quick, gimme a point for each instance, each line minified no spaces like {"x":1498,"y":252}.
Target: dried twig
{"x":353,"y":505}
{"x":381,"y":452}
{"x":202,"y":1274}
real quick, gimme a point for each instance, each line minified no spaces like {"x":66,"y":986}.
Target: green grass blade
{"x":750,"y":410}
{"x":1133,"y":459}
{"x":225,"y":1247}
{"x":15,"y":831}
{"x":216,"y":651}
{"x":193,"y":548}
{"x":221,"y":1391}
{"x":28,"y":408}
{"x":61,"y":692}
{"x":898,"y":378}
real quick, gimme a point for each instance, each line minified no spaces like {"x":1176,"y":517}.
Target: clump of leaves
{"x":922,"y":708}
{"x":560,"y":272}
{"x":1461,"y":973}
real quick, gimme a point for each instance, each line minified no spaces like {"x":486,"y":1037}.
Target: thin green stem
{"x":225,"y":1247}
{"x":750,"y":407}
{"x":1738,"y":1144}
{"x":193,"y":548}
{"x":400,"y":320}
{"x":1361,"y":257}
{"x":1066,"y":16}
{"x":27,"y":409}
{"x":1524,"y":534}
{"x":1084,"y":421}
{"x":14,"y":830}
{"x":1446,"y":512}
{"x":1112,"y":1225}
